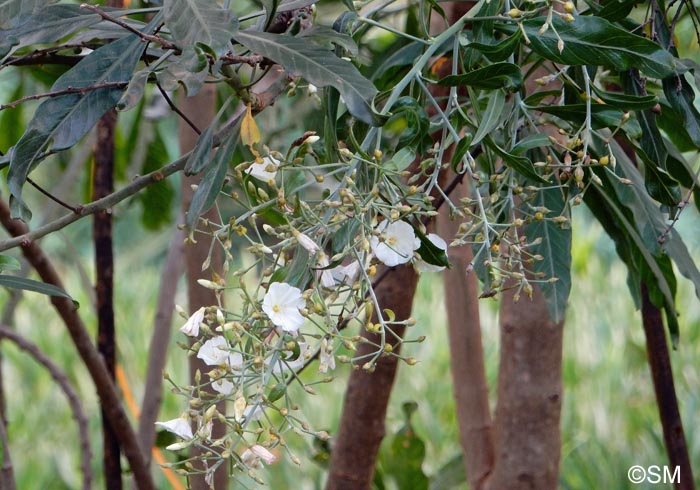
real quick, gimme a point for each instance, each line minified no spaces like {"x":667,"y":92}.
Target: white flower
{"x":215,"y":352}
{"x":281,"y":365}
{"x":191,"y":327}
{"x":311,"y":140}
{"x":253,"y":456}
{"x":423,"y":266}
{"x":327,"y":357}
{"x":306,"y":242}
{"x":223,"y":386}
{"x":311,"y":89}
{"x":282,"y":303}
{"x":265,"y":170}
{"x":325,"y":275}
{"x":179,"y":426}
{"x":398,"y":244}
{"x":347,"y":274}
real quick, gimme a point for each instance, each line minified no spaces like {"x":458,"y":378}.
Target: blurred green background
{"x":609,"y":419}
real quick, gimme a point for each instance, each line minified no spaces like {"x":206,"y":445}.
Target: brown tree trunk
{"x":103,"y":185}
{"x":666,"y":401}
{"x":362,"y":424}
{"x":526,"y":423}
{"x":471,"y":391}
{"x":201,"y":110}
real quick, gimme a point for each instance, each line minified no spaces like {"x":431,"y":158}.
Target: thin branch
{"x":65,"y":91}
{"x":177,"y":111}
{"x":64,"y":383}
{"x":42,"y":53}
{"x":7,"y":473}
{"x":102,"y":381}
{"x":146,"y":37}
{"x":265,"y":98}
{"x":51,"y":196}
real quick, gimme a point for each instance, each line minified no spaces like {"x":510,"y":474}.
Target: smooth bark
{"x":362,"y":424}
{"x":471,"y":391}
{"x":664,"y":387}
{"x":103,"y":185}
{"x":526,"y":422}
{"x":200,"y":110}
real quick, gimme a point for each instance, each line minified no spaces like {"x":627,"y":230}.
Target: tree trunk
{"x":103,"y":185}
{"x":666,"y":401}
{"x":471,"y":391}
{"x":201,"y":110}
{"x":526,"y":423}
{"x":362,"y":424}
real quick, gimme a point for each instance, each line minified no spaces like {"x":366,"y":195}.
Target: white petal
{"x":179,"y":426}
{"x":260,"y":170}
{"x":214,"y":352}
{"x":263,"y":454}
{"x":191,"y":327}
{"x":223,"y":386}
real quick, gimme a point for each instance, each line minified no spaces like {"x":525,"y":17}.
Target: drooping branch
{"x":64,"y":383}
{"x":104,"y":385}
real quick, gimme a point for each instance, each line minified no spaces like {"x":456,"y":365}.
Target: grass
{"x":609,"y":418}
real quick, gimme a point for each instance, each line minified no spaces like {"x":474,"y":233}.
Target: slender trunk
{"x":160,"y":339}
{"x":201,"y":110}
{"x":666,"y":401}
{"x":103,"y":185}
{"x":362,"y":424}
{"x":526,"y":423}
{"x":467,"y":356}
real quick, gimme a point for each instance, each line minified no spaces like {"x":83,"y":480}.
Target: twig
{"x":41,"y":54}
{"x":146,"y":37}
{"x":158,"y":350}
{"x":104,"y":386}
{"x":64,"y":383}
{"x":51,"y":196}
{"x":24,"y":238}
{"x":176,"y":110}
{"x":65,"y":91}
{"x":234,"y":59}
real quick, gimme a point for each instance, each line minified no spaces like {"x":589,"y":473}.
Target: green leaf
{"x":615,"y":10}
{"x":156,"y":199}
{"x":46,"y":25}
{"x":8,"y":263}
{"x":189,"y":70}
{"x":417,"y":122}
{"x":326,"y":35}
{"x":402,"y":159}
{"x":499,"y":75}
{"x":556,"y":250}
{"x":450,"y":476}
{"x":11,"y":10}
{"x":602,"y":116}
{"x":590,"y":40}
{"x":200,"y":21}
{"x":490,"y":117}
{"x":61,"y":121}
{"x":482,"y":32}
{"x":681,"y":97}
{"x":407,"y":456}
{"x":13,"y":282}
{"x":520,"y":164}
{"x":461,"y":149}
{"x":499,"y":51}
{"x":211,"y":183}
{"x":530,"y":142}
{"x":626,"y":102}
{"x":429,"y":252}
{"x":317,"y":65}
{"x":403,"y":56}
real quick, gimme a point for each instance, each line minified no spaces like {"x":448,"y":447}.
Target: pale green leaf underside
{"x":317,"y":65}
{"x":199,"y":21}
